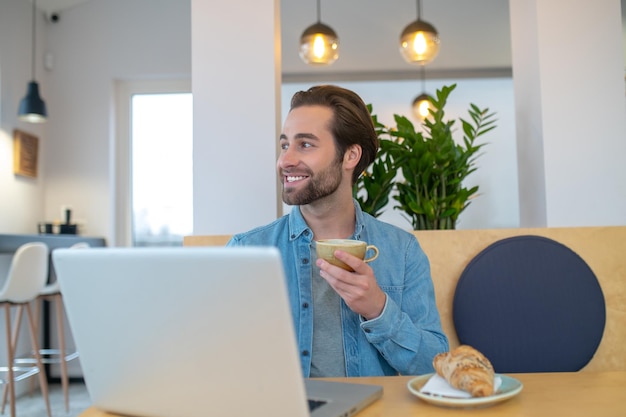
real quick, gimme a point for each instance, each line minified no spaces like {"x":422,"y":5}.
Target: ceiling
{"x":475,"y":36}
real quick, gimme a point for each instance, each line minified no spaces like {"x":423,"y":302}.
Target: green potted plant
{"x":430,"y":191}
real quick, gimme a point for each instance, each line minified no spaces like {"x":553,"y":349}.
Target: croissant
{"x":467,"y":369}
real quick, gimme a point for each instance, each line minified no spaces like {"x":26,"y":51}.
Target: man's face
{"x":308,"y":165}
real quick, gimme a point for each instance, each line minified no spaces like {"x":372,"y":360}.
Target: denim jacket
{"x":404,"y":338}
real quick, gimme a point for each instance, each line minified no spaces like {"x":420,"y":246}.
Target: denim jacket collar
{"x":298,"y":226}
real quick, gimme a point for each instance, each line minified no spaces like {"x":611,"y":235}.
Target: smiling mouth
{"x":294,"y":178}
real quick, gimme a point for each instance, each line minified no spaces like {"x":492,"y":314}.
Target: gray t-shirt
{"x":327,"y":358}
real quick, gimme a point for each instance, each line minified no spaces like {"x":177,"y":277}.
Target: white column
{"x":570,"y":112}
{"x":236,"y":79}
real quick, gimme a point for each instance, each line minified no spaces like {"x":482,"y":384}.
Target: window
{"x":154,"y":168}
{"x":161,"y":166}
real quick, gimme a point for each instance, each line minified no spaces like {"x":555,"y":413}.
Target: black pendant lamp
{"x":419,"y":41}
{"x":32,"y":108}
{"x":319,"y":44}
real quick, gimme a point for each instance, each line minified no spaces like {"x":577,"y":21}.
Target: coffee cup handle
{"x":374,"y":256}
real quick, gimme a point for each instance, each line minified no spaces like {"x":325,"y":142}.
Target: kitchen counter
{"x":10,"y":243}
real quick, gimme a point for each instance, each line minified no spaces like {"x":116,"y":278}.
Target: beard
{"x":319,"y":185}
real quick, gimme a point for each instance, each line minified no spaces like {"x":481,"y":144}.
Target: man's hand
{"x":358,"y":289}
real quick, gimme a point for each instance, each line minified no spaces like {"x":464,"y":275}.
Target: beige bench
{"x":449,"y":251}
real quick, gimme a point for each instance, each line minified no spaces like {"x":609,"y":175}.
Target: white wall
{"x":21,"y":198}
{"x":235,"y":114}
{"x":95,"y":44}
{"x":570,"y":112}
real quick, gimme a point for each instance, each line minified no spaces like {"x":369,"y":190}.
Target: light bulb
{"x":318,"y":46}
{"x":419,"y":43}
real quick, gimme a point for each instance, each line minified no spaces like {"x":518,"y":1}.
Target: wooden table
{"x":552,"y":394}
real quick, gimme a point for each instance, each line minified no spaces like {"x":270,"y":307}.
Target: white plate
{"x":510,"y":388}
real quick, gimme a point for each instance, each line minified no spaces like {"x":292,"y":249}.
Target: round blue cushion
{"x":530,"y":304}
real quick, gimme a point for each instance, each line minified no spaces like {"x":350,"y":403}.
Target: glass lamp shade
{"x":421,"y":105}
{"x":32,"y":108}
{"x":319,"y":45}
{"x":419,"y":43}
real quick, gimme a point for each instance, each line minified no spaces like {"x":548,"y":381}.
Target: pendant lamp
{"x":32,"y":108}
{"x":419,"y":41}
{"x":319,"y":44}
{"x":422,"y":104}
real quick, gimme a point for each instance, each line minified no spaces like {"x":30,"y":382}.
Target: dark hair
{"x":351,"y":124}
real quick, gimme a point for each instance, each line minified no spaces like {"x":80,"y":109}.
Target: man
{"x":380,"y":319}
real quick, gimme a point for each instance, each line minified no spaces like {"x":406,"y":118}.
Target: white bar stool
{"x":60,"y":355}
{"x":27,"y":276}
{"x":56,"y":355}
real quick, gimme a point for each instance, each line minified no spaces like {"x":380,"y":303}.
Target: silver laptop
{"x":190,"y":332}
